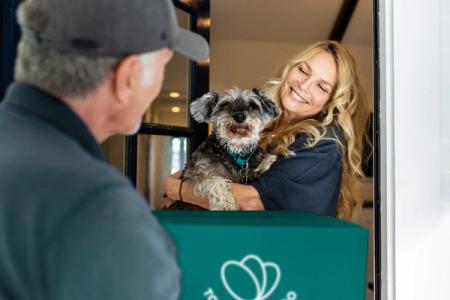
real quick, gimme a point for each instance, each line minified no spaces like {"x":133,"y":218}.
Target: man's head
{"x":84,"y":51}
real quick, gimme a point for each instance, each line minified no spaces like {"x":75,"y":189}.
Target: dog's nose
{"x":239,"y":117}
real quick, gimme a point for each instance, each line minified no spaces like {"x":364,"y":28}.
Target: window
{"x":168,"y":134}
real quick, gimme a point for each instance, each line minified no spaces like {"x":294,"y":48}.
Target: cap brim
{"x":190,"y":44}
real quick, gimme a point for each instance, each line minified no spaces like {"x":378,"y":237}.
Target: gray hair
{"x":59,"y":73}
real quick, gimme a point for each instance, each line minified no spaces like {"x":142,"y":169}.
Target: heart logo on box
{"x":250,"y":278}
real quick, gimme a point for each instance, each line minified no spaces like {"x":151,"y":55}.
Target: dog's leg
{"x":265,"y":164}
{"x":218,"y":192}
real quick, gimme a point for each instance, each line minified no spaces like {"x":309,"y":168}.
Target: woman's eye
{"x":302,"y":70}
{"x":324,"y":89}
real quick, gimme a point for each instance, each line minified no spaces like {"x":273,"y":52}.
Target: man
{"x":71,"y":227}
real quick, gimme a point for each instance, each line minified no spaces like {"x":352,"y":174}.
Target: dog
{"x":231,"y":152}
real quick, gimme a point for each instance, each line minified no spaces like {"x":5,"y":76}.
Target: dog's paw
{"x":265,"y":164}
{"x":225,"y":205}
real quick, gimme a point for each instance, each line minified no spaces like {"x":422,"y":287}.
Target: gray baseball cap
{"x":115,"y":28}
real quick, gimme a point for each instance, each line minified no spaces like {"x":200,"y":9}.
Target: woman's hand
{"x":172,"y":185}
{"x":167,"y":202}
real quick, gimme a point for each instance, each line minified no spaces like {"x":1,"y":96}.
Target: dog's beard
{"x":240,"y":145}
{"x":238,"y":131}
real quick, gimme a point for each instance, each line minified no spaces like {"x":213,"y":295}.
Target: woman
{"x":319,"y":138}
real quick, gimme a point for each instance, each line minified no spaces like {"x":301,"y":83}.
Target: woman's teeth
{"x":298,"y":97}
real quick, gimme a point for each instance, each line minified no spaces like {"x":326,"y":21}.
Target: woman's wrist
{"x":180,"y":191}
{"x":172,"y":187}
{"x":247,"y":197}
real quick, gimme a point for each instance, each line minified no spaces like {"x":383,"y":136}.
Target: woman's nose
{"x":305,"y":84}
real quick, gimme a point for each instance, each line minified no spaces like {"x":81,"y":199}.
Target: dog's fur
{"x":238,"y":119}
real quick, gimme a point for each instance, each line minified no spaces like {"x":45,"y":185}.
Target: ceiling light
{"x":204,"y":62}
{"x":204,"y":22}
{"x":174,"y":95}
{"x":175,"y":109}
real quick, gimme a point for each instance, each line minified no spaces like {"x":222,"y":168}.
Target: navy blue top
{"x":308,"y":181}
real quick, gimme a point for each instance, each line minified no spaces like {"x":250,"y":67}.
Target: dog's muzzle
{"x":240,"y":130}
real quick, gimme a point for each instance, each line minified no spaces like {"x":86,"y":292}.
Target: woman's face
{"x":308,"y":86}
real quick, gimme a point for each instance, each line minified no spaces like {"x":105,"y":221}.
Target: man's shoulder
{"x":44,"y":166}
{"x":52,"y":166}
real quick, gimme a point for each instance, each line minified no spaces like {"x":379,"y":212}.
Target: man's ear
{"x":268,"y":106}
{"x":126,"y":77}
{"x":202,"y":108}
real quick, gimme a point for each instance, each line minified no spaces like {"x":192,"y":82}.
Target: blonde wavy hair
{"x":347,"y":109}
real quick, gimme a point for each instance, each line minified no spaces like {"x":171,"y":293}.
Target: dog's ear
{"x":267,"y":104}
{"x":202,"y":108}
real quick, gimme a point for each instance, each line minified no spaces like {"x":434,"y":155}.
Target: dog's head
{"x":238,"y":117}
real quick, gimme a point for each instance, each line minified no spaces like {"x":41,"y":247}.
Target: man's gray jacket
{"x":71,"y":226}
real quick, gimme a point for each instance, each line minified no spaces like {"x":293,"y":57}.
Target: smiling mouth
{"x":297,"y":96}
{"x":239,"y":129}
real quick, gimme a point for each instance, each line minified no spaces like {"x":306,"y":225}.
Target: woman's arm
{"x":307,"y":181}
{"x":246,"y":195}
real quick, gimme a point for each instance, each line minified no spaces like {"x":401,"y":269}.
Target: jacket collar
{"x":36,"y":103}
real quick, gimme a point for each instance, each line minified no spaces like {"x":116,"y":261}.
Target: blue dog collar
{"x":241,"y":160}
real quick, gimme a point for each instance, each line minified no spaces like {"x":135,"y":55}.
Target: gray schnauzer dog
{"x":231,"y":152}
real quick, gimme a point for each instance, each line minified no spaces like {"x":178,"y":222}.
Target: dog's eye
{"x":223,"y":106}
{"x":254,"y":106}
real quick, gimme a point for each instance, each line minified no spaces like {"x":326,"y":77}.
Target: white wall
{"x":415,"y":232}
{"x":444,"y":37}
{"x":246,"y":64}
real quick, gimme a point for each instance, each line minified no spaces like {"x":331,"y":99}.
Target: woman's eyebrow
{"x":307,"y":65}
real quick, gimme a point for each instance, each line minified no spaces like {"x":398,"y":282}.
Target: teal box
{"x":267,"y":255}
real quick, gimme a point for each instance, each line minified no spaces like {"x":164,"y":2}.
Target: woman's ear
{"x":126,"y":77}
